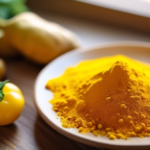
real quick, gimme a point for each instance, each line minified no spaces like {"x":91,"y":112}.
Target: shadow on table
{"x":47,"y":138}
{"x":7,"y":136}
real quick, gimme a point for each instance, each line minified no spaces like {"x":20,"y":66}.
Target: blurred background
{"x":94,"y":21}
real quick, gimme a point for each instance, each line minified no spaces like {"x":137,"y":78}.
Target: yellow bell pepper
{"x":11,"y":103}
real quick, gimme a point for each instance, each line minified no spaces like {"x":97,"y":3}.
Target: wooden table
{"x":30,"y":132}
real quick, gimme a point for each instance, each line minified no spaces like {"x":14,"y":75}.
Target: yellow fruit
{"x":38,"y":39}
{"x":2,"y":69}
{"x":6,"y":49}
{"x":11,"y":103}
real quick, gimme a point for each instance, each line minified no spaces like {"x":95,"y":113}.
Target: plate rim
{"x":67,"y":133}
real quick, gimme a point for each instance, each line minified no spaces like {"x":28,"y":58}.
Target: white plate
{"x":136,"y":50}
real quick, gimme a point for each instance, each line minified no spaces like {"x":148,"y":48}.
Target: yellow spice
{"x":107,"y":96}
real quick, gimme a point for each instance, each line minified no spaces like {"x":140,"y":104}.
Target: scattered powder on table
{"x":107,"y":96}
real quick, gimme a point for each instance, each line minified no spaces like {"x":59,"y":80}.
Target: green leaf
{"x":18,"y":8}
{"x":2,"y":84}
{"x":1,"y":96}
{"x":5,"y":12}
{"x":5,"y":1}
{"x":10,"y":8}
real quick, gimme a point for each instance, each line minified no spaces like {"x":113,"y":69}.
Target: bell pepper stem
{"x":2,"y":84}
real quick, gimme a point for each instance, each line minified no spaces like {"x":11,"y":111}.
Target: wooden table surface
{"x":30,"y":132}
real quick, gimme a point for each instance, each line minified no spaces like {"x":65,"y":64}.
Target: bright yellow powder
{"x":107,"y":96}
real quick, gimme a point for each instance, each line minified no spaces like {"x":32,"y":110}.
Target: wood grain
{"x":30,"y":132}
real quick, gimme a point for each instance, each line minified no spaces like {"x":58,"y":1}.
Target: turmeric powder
{"x":106,"y":96}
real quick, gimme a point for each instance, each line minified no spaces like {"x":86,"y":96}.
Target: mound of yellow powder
{"x":107,"y":96}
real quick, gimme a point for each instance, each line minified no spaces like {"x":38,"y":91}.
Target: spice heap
{"x":107,"y":96}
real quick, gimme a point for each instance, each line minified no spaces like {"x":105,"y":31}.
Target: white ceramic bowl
{"x":136,"y":50}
